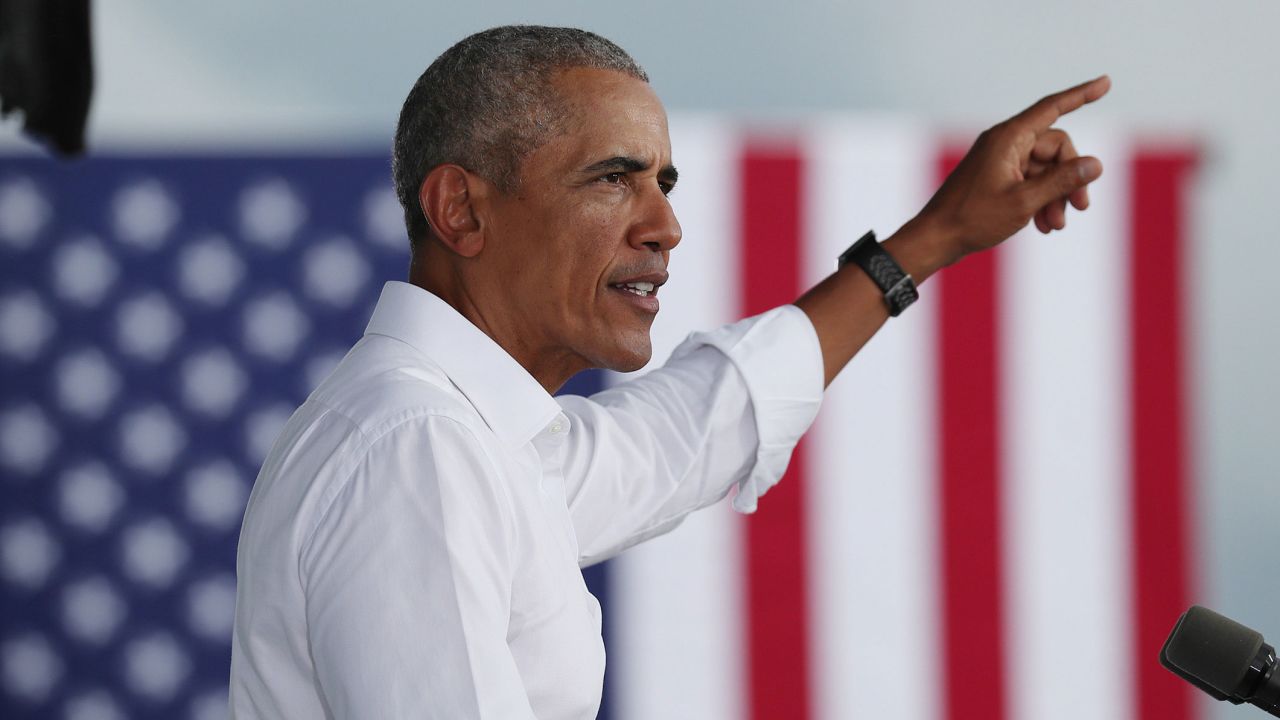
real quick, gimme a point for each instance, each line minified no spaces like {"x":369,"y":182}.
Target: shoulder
{"x":386,"y":420}
{"x":415,"y":477}
{"x":410,"y":418}
{"x":383,"y":383}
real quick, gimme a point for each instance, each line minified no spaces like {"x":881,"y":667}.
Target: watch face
{"x":848,"y":255}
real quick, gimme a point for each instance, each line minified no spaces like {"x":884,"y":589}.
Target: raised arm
{"x":646,"y":453}
{"x":1021,"y":170}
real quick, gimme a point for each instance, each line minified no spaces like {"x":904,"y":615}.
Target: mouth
{"x":641,"y":291}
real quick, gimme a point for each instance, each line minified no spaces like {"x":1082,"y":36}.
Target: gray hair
{"x":487,"y":102}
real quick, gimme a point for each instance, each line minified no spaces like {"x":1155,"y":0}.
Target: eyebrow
{"x":623,"y":163}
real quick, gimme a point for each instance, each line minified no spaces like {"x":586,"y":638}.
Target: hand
{"x":1018,"y":170}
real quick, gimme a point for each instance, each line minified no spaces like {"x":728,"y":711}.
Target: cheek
{"x":592,"y":252}
{"x":576,"y":250}
{"x":566,"y":276}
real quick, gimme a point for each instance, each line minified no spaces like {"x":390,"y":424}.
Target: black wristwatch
{"x":898,"y":287}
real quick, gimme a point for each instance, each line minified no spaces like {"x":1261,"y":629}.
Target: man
{"x":413,"y":543}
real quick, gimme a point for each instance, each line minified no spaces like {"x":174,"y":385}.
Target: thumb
{"x":1063,"y":180}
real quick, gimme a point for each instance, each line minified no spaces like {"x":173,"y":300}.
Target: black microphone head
{"x":1213,"y":649}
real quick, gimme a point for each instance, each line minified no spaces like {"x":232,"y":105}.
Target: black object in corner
{"x":46,"y":69}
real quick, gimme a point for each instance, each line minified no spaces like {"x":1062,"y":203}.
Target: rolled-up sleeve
{"x":780,"y":361}
{"x":726,"y":410}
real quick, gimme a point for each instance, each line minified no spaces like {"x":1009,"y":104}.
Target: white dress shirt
{"x":413,"y":543}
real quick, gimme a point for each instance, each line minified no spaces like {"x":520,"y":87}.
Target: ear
{"x":447,"y":198}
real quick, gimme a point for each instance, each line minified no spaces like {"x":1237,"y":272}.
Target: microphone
{"x":1223,"y":658}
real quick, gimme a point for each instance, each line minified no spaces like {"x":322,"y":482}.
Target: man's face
{"x":590,"y":216}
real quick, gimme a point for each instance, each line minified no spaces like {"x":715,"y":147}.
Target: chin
{"x":630,"y":365}
{"x":628,"y":356}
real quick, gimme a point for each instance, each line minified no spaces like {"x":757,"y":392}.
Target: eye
{"x":614,"y":178}
{"x":666,"y":187}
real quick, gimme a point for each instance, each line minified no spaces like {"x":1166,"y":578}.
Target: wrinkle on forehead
{"x":617,"y":98}
{"x":602,"y":113}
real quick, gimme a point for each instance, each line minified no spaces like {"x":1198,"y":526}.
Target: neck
{"x":482,"y":307}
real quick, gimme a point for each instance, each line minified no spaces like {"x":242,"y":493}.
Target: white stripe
{"x":871,"y":463}
{"x":1065,"y":475}
{"x":675,"y":611}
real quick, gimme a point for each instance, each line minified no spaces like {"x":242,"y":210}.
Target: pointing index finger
{"x":1045,"y":113}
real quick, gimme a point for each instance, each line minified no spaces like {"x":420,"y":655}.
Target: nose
{"x":656,"y":227}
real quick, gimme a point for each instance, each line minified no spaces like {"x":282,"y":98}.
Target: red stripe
{"x":1161,"y":582}
{"x":777,"y":599}
{"x":969,"y":492}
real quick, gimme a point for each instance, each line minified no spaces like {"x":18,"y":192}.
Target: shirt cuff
{"x":780,"y":360}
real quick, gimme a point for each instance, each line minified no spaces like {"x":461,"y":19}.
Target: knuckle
{"x":999,"y":133}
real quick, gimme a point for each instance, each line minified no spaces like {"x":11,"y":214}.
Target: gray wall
{"x":180,"y":73}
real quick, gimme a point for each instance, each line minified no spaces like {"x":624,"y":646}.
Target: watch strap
{"x":898,"y":287}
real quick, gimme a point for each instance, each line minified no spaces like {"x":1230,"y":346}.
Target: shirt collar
{"x":512,"y":403}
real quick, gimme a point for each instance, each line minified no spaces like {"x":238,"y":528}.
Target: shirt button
{"x":556,"y":428}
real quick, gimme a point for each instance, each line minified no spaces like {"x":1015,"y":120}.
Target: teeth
{"x":639,"y":288}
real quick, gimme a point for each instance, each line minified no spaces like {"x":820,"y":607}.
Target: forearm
{"x":847,"y":308}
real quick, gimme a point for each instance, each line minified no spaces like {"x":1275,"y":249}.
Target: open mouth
{"x":640,"y":294}
{"x":643,"y":289}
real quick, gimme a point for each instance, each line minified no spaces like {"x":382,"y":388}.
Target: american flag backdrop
{"x":992,"y":518}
